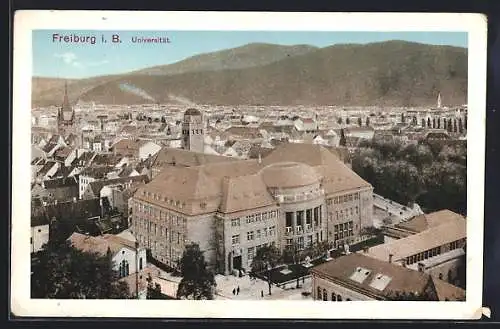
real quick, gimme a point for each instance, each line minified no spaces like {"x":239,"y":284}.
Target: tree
{"x":360,"y":122}
{"x":197,"y":281}
{"x":154,"y":290}
{"x":266,"y":258}
{"x":268,"y":255}
{"x":64,"y":272}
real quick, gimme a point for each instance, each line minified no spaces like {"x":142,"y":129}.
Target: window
{"x":300,"y":243}
{"x":251,"y":253}
{"x":257,"y":234}
{"x":339,"y":298}
{"x":319,"y":293}
{"x":308,"y":216}
{"x":31,"y":240}
{"x":440,"y":276}
{"x":235,"y":239}
{"x":334,"y":297}
{"x":235,"y":222}
{"x":288,"y":218}
{"x":325,"y":296}
{"x":289,"y":242}
{"x":250,"y":235}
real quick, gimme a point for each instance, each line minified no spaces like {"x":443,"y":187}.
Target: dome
{"x":289,"y":175}
{"x":192,"y":112}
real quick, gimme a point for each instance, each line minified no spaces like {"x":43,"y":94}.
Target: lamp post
{"x":269,"y":277}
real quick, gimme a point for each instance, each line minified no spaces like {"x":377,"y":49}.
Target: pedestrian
{"x":234,"y":291}
{"x":238,"y":290}
{"x":262,"y":293}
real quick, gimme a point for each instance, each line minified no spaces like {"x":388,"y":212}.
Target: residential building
{"x":357,"y":277}
{"x":128,"y":259}
{"x":438,"y":248}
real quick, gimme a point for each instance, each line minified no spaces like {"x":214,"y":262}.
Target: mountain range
{"x":391,"y":73}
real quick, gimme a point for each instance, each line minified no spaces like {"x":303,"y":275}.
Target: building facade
{"x":297,"y":196}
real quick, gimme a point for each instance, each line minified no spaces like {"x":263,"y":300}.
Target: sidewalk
{"x":249,"y":289}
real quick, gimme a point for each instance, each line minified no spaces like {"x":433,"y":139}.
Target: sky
{"x":60,"y":59}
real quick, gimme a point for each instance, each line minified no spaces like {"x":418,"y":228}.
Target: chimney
{"x":390,"y":258}
{"x":421,"y":267}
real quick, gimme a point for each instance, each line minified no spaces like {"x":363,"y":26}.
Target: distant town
{"x":324,"y":203}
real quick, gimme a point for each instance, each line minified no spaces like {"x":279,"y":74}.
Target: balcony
{"x":298,"y":230}
{"x":288,"y":231}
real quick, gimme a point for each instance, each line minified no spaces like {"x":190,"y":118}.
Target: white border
{"x":26,"y":21}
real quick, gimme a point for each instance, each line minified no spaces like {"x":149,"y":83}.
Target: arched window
{"x":318,"y":296}
{"x":140,"y":263}
{"x":124,"y":269}
{"x":325,"y":295}
{"x":334,"y":297}
{"x":339,"y":298}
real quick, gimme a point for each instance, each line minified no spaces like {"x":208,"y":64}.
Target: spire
{"x":439,"y":101}
{"x":65,"y":104}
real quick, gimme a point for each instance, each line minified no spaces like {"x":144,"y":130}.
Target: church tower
{"x":65,"y":114}
{"x":193,"y":131}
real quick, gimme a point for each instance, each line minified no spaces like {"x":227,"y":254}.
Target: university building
{"x":298,"y":195}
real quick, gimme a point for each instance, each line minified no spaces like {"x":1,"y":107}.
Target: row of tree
{"x":431,"y":174}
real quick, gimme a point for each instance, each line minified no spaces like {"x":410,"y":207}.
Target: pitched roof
{"x":97,"y":186}
{"x":423,"y":222}
{"x":168,"y":156}
{"x":100,"y":244}
{"x":60,"y":182}
{"x":447,"y":291}
{"x":193,"y":186}
{"x":336,"y":175}
{"x":63,"y":152}
{"x":373,"y":277}
{"x":244,"y":192}
{"x":70,"y":210}
{"x":420,"y":242}
{"x":97,"y":172}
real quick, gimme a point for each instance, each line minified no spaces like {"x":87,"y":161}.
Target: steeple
{"x":439,"y":101}
{"x":65,"y":104}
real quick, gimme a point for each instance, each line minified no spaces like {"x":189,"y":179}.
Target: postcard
{"x":248,"y":165}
